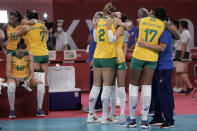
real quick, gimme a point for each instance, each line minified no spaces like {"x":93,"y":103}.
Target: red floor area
{"x":183,"y":105}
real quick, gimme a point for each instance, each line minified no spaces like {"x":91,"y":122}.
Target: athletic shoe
{"x":122,"y":118}
{"x":108,"y":120}
{"x":129,"y":123}
{"x":145,"y":125}
{"x":12,"y":114}
{"x":167,"y":125}
{"x":151,"y":113}
{"x":189,"y":90}
{"x":113,"y":116}
{"x":40,"y":113}
{"x":181,"y":92}
{"x":175,"y":89}
{"x":92,"y":119}
{"x":156,"y":123}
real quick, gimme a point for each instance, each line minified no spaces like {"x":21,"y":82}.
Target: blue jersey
{"x":165,"y":57}
{"x":132,"y":33}
{"x":91,"y":47}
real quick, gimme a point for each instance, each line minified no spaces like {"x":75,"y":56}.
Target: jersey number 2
{"x":149,"y":32}
{"x":101,"y":35}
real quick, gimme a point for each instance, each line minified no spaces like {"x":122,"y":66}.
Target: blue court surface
{"x":183,"y":123}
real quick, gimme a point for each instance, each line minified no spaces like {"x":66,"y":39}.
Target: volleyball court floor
{"x":185,"y":119}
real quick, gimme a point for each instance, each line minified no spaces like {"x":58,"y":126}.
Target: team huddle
{"x":27,"y":56}
{"x":152,"y":59}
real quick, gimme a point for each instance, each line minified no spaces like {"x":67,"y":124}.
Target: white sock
{"x":11,"y":94}
{"x":133,"y":98}
{"x":40,"y":95}
{"x":105,"y":99}
{"x":145,"y":101}
{"x":122,"y":96}
{"x":93,"y":98}
{"x":113,"y":100}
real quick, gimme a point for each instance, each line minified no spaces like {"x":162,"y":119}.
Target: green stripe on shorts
{"x":9,"y":51}
{"x":105,"y":62}
{"x":41,"y":59}
{"x":139,"y":64}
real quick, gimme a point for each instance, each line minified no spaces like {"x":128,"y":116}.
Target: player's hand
{"x":141,"y":43}
{"x":91,"y":64}
{"x":27,"y":82}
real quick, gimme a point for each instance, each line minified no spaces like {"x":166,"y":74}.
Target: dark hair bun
{"x":22,"y":40}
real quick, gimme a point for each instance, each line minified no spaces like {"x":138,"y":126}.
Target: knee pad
{"x":40,"y":89}
{"x":40,"y":76}
{"x":11,"y":87}
{"x":133,"y":90}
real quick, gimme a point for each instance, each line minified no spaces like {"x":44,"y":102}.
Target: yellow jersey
{"x":150,"y":30}
{"x":36,"y":39}
{"x":20,"y":65}
{"x":104,"y":49}
{"x":13,"y":40}
{"x":119,"y":50}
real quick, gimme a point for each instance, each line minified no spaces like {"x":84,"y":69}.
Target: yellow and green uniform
{"x":104,"y":55}
{"x":36,"y":38}
{"x":20,"y":65}
{"x":13,"y":40}
{"x":150,"y":30}
{"x":120,"y":58}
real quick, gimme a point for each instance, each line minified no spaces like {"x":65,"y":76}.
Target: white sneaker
{"x":92,"y":119}
{"x":175,"y":89}
{"x":108,"y":120}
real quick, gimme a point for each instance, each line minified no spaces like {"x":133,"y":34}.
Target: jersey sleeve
{"x":164,"y":37}
{"x":125,"y":37}
{"x":136,"y":31}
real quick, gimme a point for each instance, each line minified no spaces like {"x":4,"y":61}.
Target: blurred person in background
{"x":61,"y":36}
{"x":50,"y":36}
{"x":182,"y":55}
{"x":130,"y":23}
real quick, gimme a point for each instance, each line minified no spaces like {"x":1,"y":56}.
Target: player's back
{"x":104,"y":49}
{"x":150,"y":30}
{"x":36,"y":39}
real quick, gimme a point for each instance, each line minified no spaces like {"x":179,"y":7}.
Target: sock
{"x":40,"y":95}
{"x":145,"y":101}
{"x":11,"y":94}
{"x":122,"y":96}
{"x":93,"y":98}
{"x":105,"y":99}
{"x":133,"y":99}
{"x":113,"y":100}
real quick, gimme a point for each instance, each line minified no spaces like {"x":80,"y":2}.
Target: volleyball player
{"x":120,"y":70}
{"x":11,"y":29}
{"x":35,"y":36}
{"x":19,"y":69}
{"x":104,"y":66}
{"x":150,"y":29}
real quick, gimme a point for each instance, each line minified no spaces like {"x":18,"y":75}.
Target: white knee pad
{"x":133,"y":90}
{"x":11,"y":87}
{"x":40,"y":76}
{"x":40,"y":89}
